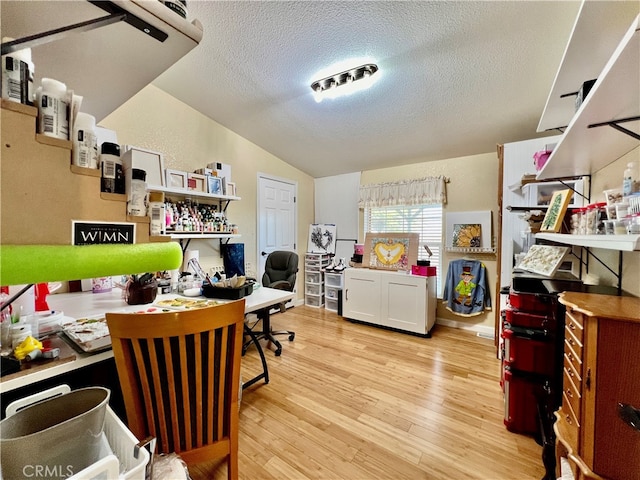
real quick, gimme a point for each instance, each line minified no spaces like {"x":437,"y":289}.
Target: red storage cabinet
{"x":529,"y":350}
{"x":521,"y":396}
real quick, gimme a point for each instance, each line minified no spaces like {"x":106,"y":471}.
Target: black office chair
{"x":280,"y":272}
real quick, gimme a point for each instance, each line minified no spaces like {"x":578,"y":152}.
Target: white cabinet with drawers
{"x":390,"y":299}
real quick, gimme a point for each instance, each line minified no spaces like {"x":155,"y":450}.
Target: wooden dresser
{"x":601,"y":370}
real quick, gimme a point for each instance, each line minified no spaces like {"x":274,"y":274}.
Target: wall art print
{"x":555,"y":213}
{"x":322,"y":238}
{"x":390,"y":251}
{"x":467,"y":235}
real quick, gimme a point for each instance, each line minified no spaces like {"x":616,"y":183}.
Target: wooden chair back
{"x":180,"y":379}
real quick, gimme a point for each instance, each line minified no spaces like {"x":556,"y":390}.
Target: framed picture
{"x":215,"y":185}
{"x":390,"y":251}
{"x":543,"y":259}
{"x":197,"y":182}
{"x":176,"y":178}
{"x":469,"y":231}
{"x":322,"y":238}
{"x":230,"y":189}
{"x":555,"y":213}
{"x":149,"y":161}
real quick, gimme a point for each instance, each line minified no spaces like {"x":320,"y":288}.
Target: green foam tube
{"x":24,"y":264}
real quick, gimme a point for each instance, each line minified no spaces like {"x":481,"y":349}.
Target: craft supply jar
{"x":53,"y":109}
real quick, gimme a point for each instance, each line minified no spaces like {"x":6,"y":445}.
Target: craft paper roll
{"x":48,"y":263}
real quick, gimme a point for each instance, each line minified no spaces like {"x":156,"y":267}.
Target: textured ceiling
{"x":455,"y":78}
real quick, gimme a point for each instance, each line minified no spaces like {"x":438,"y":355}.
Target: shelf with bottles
{"x":626,"y":243}
{"x":183,"y":192}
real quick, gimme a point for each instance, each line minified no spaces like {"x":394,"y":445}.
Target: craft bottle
{"x":53,"y":109}
{"x":17,"y":75}
{"x":157,"y":213}
{"x":628,"y":182}
{"x":137,"y":193}
{"x":85,"y":146}
{"x":112,"y":172}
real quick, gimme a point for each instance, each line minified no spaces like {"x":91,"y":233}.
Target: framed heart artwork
{"x":390,"y":251}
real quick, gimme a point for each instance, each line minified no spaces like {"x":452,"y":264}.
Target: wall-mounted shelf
{"x":619,"y":243}
{"x":626,"y":243}
{"x":470,"y":250}
{"x":109,"y":65}
{"x":614,"y":97}
{"x":598,"y":29}
{"x":183,"y":192}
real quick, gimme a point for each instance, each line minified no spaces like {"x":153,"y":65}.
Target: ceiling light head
{"x":344,"y":79}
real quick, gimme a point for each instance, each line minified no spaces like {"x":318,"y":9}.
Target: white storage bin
{"x":314,"y":300}
{"x":331,"y":292}
{"x":333,"y":279}
{"x":313,"y":288}
{"x":118,"y":461}
{"x":313,"y":277}
{"x":331,"y":304}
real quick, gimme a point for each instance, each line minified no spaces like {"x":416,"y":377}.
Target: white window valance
{"x":423,"y":191}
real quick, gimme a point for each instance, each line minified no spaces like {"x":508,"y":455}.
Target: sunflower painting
{"x":467,"y":235}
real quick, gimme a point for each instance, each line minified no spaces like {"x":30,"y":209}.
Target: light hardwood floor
{"x":351,"y":401}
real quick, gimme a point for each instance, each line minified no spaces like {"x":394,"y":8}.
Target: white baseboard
{"x":482,"y":330}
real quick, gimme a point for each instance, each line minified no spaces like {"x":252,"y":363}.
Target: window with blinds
{"x":425,"y":220}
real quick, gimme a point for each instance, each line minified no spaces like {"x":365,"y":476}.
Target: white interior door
{"x":277,"y":215}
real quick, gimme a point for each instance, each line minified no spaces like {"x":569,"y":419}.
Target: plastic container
{"x":629,"y":179}
{"x":613,"y":196}
{"x":63,"y":433}
{"x":137,"y":193}
{"x":53,"y":109}
{"x":620,"y":226}
{"x":85,"y":141}
{"x":17,"y":75}
{"x":118,"y":456}
{"x":157,"y":213}
{"x":112,"y":180}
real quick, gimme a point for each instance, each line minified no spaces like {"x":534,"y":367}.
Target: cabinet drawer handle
{"x":568,"y":419}
{"x":572,"y":326}
{"x":570,"y":372}
{"x":569,"y":393}
{"x":571,"y":342}
{"x":570,"y":356}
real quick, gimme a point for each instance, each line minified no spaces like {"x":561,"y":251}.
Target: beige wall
{"x":473,"y":187}
{"x":189,"y":140}
{"x":157,"y":121}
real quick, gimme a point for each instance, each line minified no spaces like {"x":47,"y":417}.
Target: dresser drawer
{"x":571,"y":427}
{"x":574,"y":322}
{"x":574,"y":342}
{"x":573,"y":357}
{"x":571,"y":393}
{"x":575,"y":375}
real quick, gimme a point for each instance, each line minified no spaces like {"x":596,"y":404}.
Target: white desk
{"x":87,"y":304}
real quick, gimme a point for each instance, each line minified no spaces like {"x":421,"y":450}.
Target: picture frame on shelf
{"x":148,"y":160}
{"x":230,"y":189}
{"x":214,"y":185}
{"x":197,"y":182}
{"x":175,"y":178}
{"x":552,"y":222}
{"x":543,"y":259}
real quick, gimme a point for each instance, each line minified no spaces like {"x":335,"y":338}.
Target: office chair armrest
{"x":281,"y":285}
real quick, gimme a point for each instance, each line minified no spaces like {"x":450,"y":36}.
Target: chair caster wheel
{"x":291,"y":337}
{"x":278,"y":352}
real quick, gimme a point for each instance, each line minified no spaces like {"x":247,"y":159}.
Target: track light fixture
{"x":329,"y":86}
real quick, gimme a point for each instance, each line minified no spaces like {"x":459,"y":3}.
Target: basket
{"x":122,"y":443}
{"x":117,"y":457}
